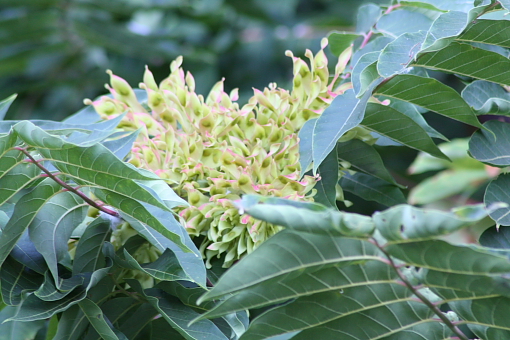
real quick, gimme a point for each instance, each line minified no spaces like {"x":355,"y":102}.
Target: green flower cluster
{"x":212,"y":150}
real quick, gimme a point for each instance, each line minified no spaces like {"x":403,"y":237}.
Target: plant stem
{"x":65,"y":185}
{"x":420,"y":296}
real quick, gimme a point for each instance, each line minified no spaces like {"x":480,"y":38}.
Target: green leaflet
{"x":440,"y":98}
{"x":458,"y":58}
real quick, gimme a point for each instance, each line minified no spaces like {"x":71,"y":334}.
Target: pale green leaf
{"x":402,"y":21}
{"x":5,"y":104}
{"x":308,"y":217}
{"x":365,"y":72}
{"x":399,"y":53}
{"x":345,"y":112}
{"x":340,"y":41}
{"x":492,"y":146}
{"x":487,"y":98}
{"x":367,"y":17}
{"x":497,"y":191}
{"x":447,"y":183}
{"x":405,"y":222}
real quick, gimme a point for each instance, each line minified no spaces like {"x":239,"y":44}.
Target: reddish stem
{"x":54,"y":177}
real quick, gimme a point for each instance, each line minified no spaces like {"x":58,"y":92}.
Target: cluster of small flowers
{"x":211,"y":151}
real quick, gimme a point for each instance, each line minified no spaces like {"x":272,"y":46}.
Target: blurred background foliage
{"x":54,"y":53}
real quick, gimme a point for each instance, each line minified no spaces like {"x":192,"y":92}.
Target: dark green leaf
{"x":399,"y":127}
{"x":88,"y":255}
{"x":291,"y":254}
{"x":458,"y":58}
{"x":24,"y":213}
{"x":372,"y":189}
{"x":17,"y":330}
{"x":494,"y":32}
{"x":53,"y":225}
{"x":72,"y":324}
{"x":178,"y":315}
{"x":17,"y":280}
{"x":496,"y":238}
{"x":97,"y":320}
{"x":363,"y":157}
{"x":439,"y":97}
{"x":326,"y":186}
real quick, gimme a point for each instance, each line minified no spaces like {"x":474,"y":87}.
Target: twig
{"x":65,"y":185}
{"x":420,"y":296}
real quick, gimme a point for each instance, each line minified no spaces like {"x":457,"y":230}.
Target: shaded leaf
{"x":17,"y":330}
{"x":89,"y":256}
{"x":496,"y":238}
{"x":97,"y":320}
{"x":372,"y":189}
{"x":326,"y":186}
{"x":24,"y":213}
{"x":179,"y":315}
{"x":365,"y":158}
{"x":53,"y":225}
{"x":17,"y":280}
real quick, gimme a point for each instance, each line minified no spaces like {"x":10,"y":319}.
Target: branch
{"x":420,"y":296}
{"x":65,"y":185}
